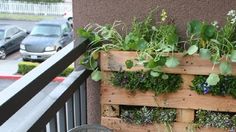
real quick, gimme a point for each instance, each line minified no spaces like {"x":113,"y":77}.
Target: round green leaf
{"x":225,"y":68}
{"x":194,"y":27}
{"x":172,"y":62}
{"x":154,"y":74}
{"x":213,"y":79}
{"x":164,"y":76}
{"x":192,"y":49}
{"x":208,"y":32}
{"x":205,"y":53}
{"x":129,"y":64}
{"x":96,"y":75}
{"x":233,"y":56}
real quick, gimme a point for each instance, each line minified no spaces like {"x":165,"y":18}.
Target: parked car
{"x":46,"y":38}
{"x":10,"y":39}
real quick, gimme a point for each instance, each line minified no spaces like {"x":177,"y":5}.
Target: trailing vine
{"x":215,"y":119}
{"x":144,"y":81}
{"x":226,"y":86}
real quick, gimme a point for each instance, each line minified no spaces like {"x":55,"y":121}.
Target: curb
{"x":16,"y":77}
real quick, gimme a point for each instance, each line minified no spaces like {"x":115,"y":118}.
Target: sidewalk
{"x":9,"y":67}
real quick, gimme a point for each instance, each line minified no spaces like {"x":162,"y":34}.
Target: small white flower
{"x":233,"y":21}
{"x":231,"y":13}
{"x":215,"y":24}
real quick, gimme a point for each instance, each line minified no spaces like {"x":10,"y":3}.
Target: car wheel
{"x":3,"y":53}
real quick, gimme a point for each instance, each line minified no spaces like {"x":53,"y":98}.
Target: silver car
{"x":45,"y":39}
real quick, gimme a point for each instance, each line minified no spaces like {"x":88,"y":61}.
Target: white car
{"x":68,"y":15}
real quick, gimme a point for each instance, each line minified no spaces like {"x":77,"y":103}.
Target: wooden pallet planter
{"x":184,"y":100}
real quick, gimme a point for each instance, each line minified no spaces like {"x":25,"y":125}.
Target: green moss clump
{"x":226,"y":86}
{"x":143,"y":81}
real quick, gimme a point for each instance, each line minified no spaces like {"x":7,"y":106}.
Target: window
{"x":46,"y":30}
{"x":65,"y":28}
{"x":1,"y":34}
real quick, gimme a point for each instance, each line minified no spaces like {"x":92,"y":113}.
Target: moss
{"x":143,"y":81}
{"x":226,"y":86}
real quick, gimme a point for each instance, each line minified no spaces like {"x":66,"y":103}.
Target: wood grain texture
{"x":117,"y":125}
{"x":184,"y":99}
{"x":115,"y":61}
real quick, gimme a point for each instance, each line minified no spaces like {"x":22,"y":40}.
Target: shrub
{"x":25,"y":67}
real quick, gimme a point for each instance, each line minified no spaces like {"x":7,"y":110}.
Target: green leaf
{"x":141,"y":45}
{"x":225,"y":68}
{"x":172,"y":62}
{"x":192,"y":49}
{"x":84,"y":33}
{"x":194,"y":27}
{"x":164,"y":76}
{"x":95,"y":55}
{"x":151,"y":64}
{"x":172,"y":39}
{"x":154,"y":73}
{"x":233,"y":56}
{"x":205,"y":53}
{"x":213,"y":79}
{"x":129,"y":64}
{"x":96,"y":75}
{"x":208,"y":32}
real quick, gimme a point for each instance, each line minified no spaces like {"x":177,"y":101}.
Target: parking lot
{"x":9,"y":65}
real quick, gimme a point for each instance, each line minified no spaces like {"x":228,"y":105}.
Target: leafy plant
{"x":226,"y":86}
{"x":215,"y":119}
{"x":214,"y":43}
{"x":153,"y":42}
{"x":144,"y":81}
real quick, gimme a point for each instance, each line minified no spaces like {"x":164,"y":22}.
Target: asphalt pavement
{"x":28,"y":25}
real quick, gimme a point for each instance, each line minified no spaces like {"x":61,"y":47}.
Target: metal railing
{"x":24,"y":106}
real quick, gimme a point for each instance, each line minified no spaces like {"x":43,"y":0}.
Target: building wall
{"x":182,"y":11}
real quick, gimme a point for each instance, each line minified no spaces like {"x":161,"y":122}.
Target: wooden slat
{"x":119,"y":126}
{"x":185,"y":115}
{"x":110,"y":110}
{"x":185,"y":99}
{"x":115,"y":61}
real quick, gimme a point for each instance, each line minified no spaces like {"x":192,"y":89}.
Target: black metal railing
{"x":61,"y":109}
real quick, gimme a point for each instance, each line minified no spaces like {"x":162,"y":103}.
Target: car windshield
{"x":46,"y":30}
{"x":1,"y":34}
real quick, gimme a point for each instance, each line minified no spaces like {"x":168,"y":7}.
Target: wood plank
{"x":110,"y":110}
{"x":185,"y":115}
{"x":119,"y":126}
{"x":115,"y":61}
{"x":184,"y":98}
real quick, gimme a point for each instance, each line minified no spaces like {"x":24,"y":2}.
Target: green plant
{"x":153,"y":42}
{"x":215,"y":119}
{"x":25,"y":67}
{"x":144,"y":81}
{"x":214,"y":43}
{"x":226,"y":86}
{"x":148,"y":115}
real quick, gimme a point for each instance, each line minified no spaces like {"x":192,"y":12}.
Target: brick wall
{"x":107,"y":11}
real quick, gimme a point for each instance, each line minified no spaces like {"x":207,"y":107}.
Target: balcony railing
{"x":27,"y":106}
